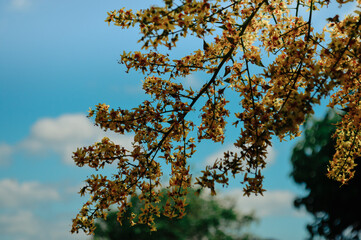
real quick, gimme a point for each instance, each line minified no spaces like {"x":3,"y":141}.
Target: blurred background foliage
{"x":336,"y":209}
{"x":206,"y":218}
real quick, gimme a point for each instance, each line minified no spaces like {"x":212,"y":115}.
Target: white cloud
{"x":20,"y":223}
{"x":64,"y":134}
{"x":272,"y":203}
{"x":5,"y":153}
{"x":25,"y":225}
{"x":20,"y":4}
{"x":15,"y":194}
{"x":271,"y":156}
{"x":60,"y":230}
{"x":20,"y":217}
{"x":192,"y":81}
{"x":74,"y":189}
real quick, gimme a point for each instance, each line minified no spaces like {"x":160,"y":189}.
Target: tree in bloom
{"x":236,"y":38}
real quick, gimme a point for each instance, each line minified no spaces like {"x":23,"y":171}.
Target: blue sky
{"x":57,"y":59}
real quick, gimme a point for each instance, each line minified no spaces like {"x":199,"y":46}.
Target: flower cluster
{"x":276,"y":94}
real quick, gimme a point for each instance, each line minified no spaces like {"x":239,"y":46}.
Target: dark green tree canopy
{"x":205,"y":219}
{"x":336,"y":209}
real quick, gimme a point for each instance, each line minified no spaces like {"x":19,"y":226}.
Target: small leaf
{"x":227,"y":70}
{"x":259,"y":63}
{"x":221,"y":91}
{"x":205,"y":46}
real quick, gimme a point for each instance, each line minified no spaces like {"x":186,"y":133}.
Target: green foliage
{"x":205,"y":219}
{"x":336,"y":209}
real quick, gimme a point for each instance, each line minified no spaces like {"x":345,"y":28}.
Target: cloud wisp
{"x":19,"y":212}
{"x":61,"y":135}
{"x":15,"y":194}
{"x":271,"y":157}
{"x":271,"y":204}
{"x":5,"y":153}
{"x":24,"y":224}
{"x":20,"y":4}
{"x":20,"y":223}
